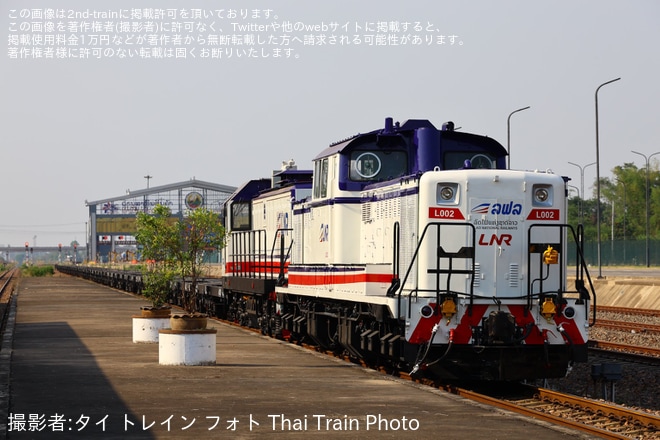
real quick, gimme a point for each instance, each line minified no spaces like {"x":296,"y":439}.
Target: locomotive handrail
{"x":539,"y":248}
{"x":581,"y":267}
{"x":248,"y":252}
{"x":414,"y":258}
{"x":251,"y":257}
{"x":464,"y":252}
{"x":396,"y":251}
{"x":283,"y":257}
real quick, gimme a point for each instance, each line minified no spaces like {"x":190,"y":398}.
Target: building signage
{"x":194,"y":200}
{"x":133,"y":206}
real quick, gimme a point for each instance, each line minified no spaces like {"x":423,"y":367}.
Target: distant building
{"x":111,"y":231}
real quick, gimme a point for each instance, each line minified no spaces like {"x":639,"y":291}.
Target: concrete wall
{"x":642,"y":293}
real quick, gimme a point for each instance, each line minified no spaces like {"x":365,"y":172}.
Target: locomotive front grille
{"x":514,"y":275}
{"x":477,"y":274}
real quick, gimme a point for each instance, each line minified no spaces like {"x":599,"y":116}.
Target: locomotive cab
{"x":346,"y":171}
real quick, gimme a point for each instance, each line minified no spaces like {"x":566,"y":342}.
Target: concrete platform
{"x":75,"y":373}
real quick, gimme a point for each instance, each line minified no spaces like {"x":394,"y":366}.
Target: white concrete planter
{"x":145,"y":330}
{"x":186,"y":347}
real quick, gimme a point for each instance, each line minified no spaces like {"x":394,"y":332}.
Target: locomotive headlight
{"x":427,"y":311}
{"x":447,"y":193}
{"x":542,"y":195}
{"x":569,"y":312}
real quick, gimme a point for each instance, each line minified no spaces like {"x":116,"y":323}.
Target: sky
{"x":78,"y":128}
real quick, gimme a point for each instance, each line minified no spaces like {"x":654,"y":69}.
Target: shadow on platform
{"x":59,"y":391}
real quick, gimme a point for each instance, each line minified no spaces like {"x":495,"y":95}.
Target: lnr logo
{"x":495,"y":239}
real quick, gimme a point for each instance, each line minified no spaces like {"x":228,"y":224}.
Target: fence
{"x":618,"y":253}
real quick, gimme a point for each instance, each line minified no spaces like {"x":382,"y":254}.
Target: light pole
{"x":508,"y":135}
{"x":577,"y":190}
{"x":624,"y":218}
{"x":148,"y":177}
{"x":612,"y":234}
{"x":647,"y":159}
{"x":600,"y":267}
{"x":582,"y":185}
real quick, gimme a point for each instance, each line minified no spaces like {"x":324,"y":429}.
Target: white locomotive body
{"x":415,"y":247}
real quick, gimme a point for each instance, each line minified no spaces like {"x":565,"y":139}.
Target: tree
{"x":199,"y":232}
{"x":156,"y":234}
{"x":627,"y":190}
{"x":175,"y":247}
{"x":588,"y":213}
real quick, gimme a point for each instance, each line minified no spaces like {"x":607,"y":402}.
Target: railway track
{"x":628,"y":326}
{"x":7,"y":280}
{"x":593,"y":417}
{"x":625,"y":349}
{"x":629,"y":311}
{"x":6,"y":277}
{"x":627,"y":330}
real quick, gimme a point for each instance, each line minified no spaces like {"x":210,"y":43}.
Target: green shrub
{"x":37,"y":271}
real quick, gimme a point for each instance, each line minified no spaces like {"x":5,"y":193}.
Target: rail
{"x":624,"y":348}
{"x":6,"y":290}
{"x":593,"y":417}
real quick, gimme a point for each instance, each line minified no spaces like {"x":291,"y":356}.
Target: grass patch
{"x":37,"y":271}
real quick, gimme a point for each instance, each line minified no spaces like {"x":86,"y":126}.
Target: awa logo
{"x":481,"y":209}
{"x":506,"y":209}
{"x":498,"y":208}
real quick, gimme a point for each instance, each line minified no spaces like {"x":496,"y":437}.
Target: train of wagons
{"x":411,"y":247}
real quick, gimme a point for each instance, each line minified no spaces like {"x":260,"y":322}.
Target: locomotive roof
{"x":285,"y":178}
{"x":249,"y":190}
{"x":408,"y":126}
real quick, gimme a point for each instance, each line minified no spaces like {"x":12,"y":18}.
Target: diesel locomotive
{"x":414,"y":247}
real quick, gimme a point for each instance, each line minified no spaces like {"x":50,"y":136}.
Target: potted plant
{"x":156,"y":280}
{"x":175,"y":247}
{"x":200,"y":230}
{"x":156,"y":287}
{"x":156,"y":235}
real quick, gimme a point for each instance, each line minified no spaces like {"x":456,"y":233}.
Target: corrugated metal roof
{"x":172,"y":186}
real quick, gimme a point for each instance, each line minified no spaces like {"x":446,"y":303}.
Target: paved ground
{"x":75,"y":373}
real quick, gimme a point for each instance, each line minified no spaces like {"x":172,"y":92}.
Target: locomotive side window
{"x":321,"y":178}
{"x":240,"y":216}
{"x":377,"y":165}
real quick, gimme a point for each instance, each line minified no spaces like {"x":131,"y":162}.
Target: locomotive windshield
{"x":455,"y":160}
{"x":377,"y":165}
